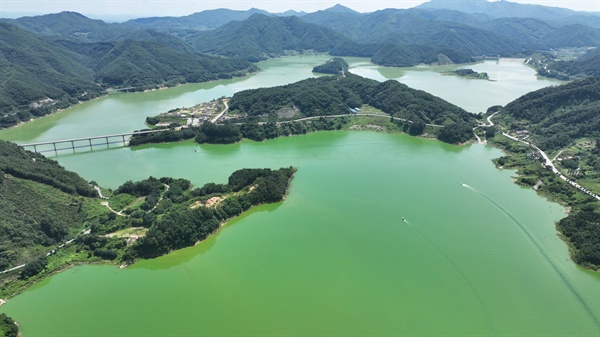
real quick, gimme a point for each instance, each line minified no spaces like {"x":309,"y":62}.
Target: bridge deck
{"x":91,"y":138}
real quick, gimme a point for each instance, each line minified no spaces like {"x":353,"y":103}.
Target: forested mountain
{"x":474,"y":34}
{"x":184,"y":25}
{"x":260,"y":37}
{"x":41,"y":74}
{"x":530,"y":32}
{"x":572,"y":36}
{"x":38,"y":75}
{"x":410,"y":27}
{"x":335,"y":95}
{"x":142,"y":64}
{"x":505,"y":8}
{"x":557,"y":116}
{"x":40,"y":204}
{"x":77,"y":26}
{"x":68,"y":24}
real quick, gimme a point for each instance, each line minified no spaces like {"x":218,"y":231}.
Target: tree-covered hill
{"x":41,"y":74}
{"x":557,"y":116}
{"x":76,"y":26}
{"x":41,"y":204}
{"x":412,"y":28}
{"x":336,"y":65}
{"x":474,"y":34}
{"x":143,"y":64}
{"x":184,"y":25}
{"x":565,"y":123}
{"x":260,"y":37}
{"x":68,"y":24}
{"x":572,"y":36}
{"x":336,"y":95}
{"x":500,"y":9}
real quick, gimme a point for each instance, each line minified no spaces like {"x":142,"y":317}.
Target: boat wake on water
{"x":460,"y":272}
{"x":538,"y":247}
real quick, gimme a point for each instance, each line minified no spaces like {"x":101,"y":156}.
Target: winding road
{"x":217,"y":117}
{"x":547,"y":160}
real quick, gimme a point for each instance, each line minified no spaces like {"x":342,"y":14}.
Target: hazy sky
{"x":144,"y":8}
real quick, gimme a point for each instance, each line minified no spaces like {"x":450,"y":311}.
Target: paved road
{"x":549,"y":163}
{"x":214,"y":120}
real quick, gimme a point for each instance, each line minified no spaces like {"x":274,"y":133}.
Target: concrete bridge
{"x":85,"y":142}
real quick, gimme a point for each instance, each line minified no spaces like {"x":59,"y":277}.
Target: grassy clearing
{"x":121,"y":201}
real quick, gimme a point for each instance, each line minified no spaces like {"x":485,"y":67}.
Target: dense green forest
{"x":583,"y":231}
{"x":410,"y":27}
{"x":267,"y":113}
{"x":190,"y":218}
{"x":501,"y":9}
{"x":336,"y":95}
{"x":335,"y":66}
{"x":42,"y":204}
{"x":41,"y":74}
{"x":557,"y":116}
{"x":562,"y":120}
{"x":470,"y":73}
{"x":189,"y":24}
{"x":8,"y":328}
{"x":38,"y":76}
{"x":260,"y":37}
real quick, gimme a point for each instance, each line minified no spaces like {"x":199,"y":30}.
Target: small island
{"x":335,"y":66}
{"x":315,"y":104}
{"x":470,"y":73}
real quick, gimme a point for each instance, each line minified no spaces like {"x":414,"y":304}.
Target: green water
{"x":335,"y":258}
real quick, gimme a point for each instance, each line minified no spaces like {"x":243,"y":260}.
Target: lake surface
{"x":336,"y":257}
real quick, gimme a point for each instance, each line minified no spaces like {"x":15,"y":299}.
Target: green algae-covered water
{"x":336,"y":258}
{"x":381,"y":235}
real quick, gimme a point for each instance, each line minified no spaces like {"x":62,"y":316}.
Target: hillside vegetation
{"x":335,"y":95}
{"x":260,"y":37}
{"x":301,"y":107}
{"x":42,"y":204}
{"x":34,"y":70}
{"x":335,"y":66}
{"x":42,"y":74}
{"x":557,"y":116}
{"x":564,"y":122}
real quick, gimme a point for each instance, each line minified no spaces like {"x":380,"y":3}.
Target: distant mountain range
{"x":503,"y":9}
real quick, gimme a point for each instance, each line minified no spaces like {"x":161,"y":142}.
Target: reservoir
{"x":474,"y":255}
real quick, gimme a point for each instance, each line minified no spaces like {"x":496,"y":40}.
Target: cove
{"x":336,"y":257}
